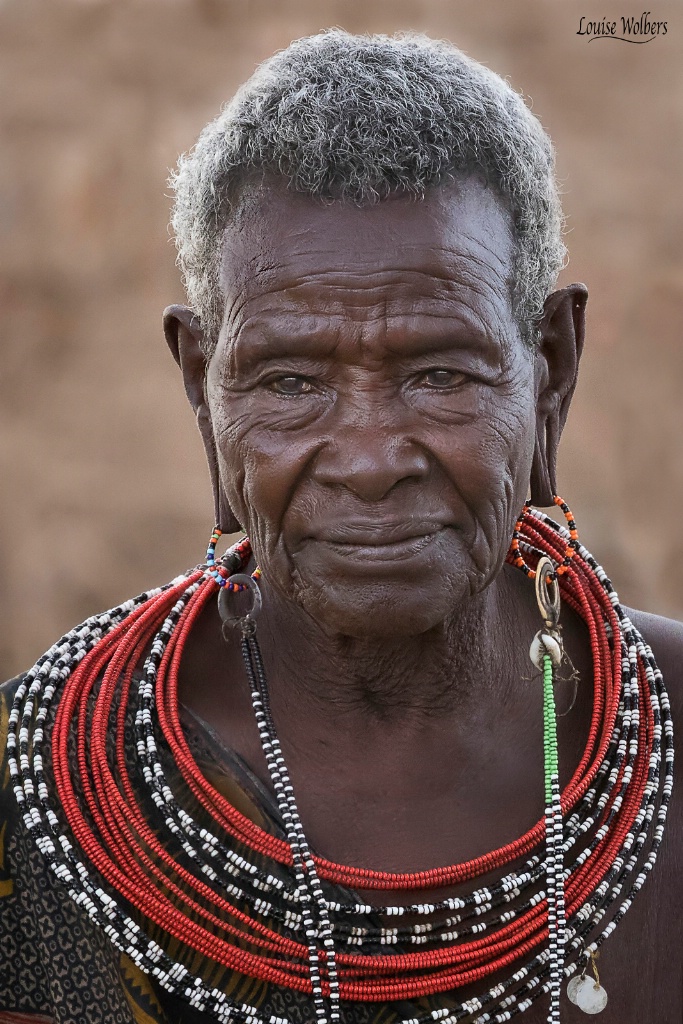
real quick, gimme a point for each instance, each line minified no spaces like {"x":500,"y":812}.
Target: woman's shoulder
{"x":10,"y":687}
{"x":665,"y":637}
{"x":8,"y":806}
{"x":8,"y":692}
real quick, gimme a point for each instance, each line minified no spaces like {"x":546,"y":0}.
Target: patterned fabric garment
{"x":57,"y":967}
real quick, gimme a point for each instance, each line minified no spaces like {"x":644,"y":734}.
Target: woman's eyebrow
{"x":321,"y":345}
{"x":261,"y":344}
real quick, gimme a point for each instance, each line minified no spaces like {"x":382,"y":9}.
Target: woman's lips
{"x":374,"y":547}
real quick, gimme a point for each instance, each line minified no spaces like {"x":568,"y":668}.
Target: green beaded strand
{"x":554,"y":839}
{"x":549,"y":727}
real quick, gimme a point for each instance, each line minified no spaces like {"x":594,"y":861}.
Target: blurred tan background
{"x":102,"y":479}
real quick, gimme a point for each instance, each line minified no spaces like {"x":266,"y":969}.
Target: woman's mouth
{"x":376,"y":546}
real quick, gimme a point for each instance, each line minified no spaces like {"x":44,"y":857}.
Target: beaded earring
{"x":515,"y":554}
{"x":228,"y":574}
{"x":233,"y":561}
{"x":547,"y":653}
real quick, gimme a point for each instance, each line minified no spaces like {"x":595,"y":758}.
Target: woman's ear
{"x":184,"y":337}
{"x":561,"y":337}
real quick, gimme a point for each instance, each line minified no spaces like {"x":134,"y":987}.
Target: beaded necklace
{"x":556,"y":894}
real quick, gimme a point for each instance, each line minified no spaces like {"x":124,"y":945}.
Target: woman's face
{"x":372,"y":402}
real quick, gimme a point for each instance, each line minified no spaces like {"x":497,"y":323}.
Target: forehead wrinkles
{"x":370,"y":321}
{"x":381,"y":333}
{"x":430,"y":258}
{"x":367,"y":292}
{"x":304,"y":254}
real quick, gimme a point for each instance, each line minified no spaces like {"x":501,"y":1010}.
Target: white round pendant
{"x":573,"y":986}
{"x":590,"y":997}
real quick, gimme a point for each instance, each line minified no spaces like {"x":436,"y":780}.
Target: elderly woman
{"x":342,"y":791}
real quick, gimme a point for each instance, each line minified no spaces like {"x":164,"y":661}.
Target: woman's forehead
{"x":287,"y":238}
{"x":289,"y":252}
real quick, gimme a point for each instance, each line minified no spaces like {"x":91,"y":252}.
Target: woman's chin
{"x":383,"y":612}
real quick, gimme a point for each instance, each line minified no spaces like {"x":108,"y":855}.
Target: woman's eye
{"x":291,"y":385}
{"x":443,"y":378}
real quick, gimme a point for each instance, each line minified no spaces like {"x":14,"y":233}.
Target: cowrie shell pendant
{"x":543,"y":644}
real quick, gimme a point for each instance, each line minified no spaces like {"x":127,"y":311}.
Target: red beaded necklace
{"x":228,"y":863}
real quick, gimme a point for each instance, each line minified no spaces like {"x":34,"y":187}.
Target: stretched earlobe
{"x":223,"y":515}
{"x":562,"y":334}
{"x":543,"y":481}
{"x":185,"y":337}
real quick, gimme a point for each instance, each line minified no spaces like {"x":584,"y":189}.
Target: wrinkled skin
{"x":374,"y":421}
{"x":392,"y":439}
{"x":372,"y":407}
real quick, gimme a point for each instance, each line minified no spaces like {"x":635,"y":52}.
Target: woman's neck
{"x":476,"y":651}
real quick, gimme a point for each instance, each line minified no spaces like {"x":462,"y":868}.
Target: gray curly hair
{"x":356,"y":118}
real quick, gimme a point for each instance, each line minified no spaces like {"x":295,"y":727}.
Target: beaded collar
{"x":267,"y":906}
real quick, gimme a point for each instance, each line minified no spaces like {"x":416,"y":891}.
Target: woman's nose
{"x":369,"y":460}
